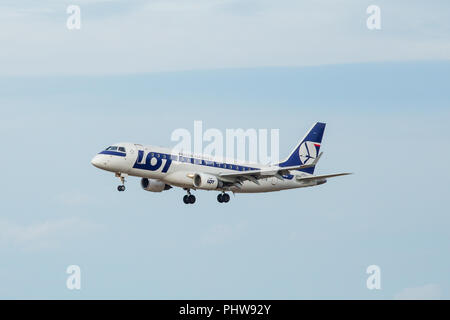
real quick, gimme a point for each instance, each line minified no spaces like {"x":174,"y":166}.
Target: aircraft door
{"x":134,"y":153}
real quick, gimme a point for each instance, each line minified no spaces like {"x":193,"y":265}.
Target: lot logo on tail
{"x":308,"y":152}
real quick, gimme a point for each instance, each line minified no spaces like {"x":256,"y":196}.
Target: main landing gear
{"x":189,"y":198}
{"x":121,"y":187}
{"x":223,"y":197}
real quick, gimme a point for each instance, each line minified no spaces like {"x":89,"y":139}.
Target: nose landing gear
{"x":121,"y":176}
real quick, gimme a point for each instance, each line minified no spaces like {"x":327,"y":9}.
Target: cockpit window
{"x":111,"y":149}
{"x":122,"y":149}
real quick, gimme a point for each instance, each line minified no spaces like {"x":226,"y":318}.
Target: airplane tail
{"x":307,"y":149}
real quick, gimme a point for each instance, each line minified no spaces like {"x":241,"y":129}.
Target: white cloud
{"x":44,"y":235}
{"x":426,"y":292}
{"x":175,"y":35}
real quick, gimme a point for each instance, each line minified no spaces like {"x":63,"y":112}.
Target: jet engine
{"x":154,"y":185}
{"x":207,"y":181}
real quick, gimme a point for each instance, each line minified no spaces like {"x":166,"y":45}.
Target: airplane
{"x":161,"y":169}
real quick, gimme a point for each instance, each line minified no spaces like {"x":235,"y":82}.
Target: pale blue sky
{"x":387,"y":122}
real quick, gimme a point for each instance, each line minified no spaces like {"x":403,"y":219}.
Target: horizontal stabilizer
{"x":324,"y":176}
{"x":303,"y":166}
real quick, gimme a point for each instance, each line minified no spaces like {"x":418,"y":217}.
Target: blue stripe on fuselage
{"x":113,"y":153}
{"x":184,"y":159}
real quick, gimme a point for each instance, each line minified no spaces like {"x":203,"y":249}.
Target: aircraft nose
{"x":98,"y":162}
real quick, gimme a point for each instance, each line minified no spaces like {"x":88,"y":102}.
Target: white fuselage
{"x":178,"y":169}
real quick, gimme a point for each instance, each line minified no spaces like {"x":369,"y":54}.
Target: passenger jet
{"x":161,"y":169}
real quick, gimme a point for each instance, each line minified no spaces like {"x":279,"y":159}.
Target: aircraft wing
{"x":255,"y":175}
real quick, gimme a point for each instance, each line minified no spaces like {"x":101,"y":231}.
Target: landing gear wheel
{"x":191,"y":198}
{"x":186,"y":199}
{"x":121,"y":176}
{"x":223,"y":197}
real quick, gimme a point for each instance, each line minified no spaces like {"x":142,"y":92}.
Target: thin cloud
{"x":73,"y":199}
{"x":223,"y":233}
{"x":426,"y":292}
{"x":49,"y":234}
{"x":156,"y":36}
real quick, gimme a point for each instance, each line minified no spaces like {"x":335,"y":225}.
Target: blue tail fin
{"x":307,"y":150}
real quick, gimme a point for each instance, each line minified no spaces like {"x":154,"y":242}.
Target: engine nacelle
{"x":207,"y":181}
{"x":154,"y":185}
